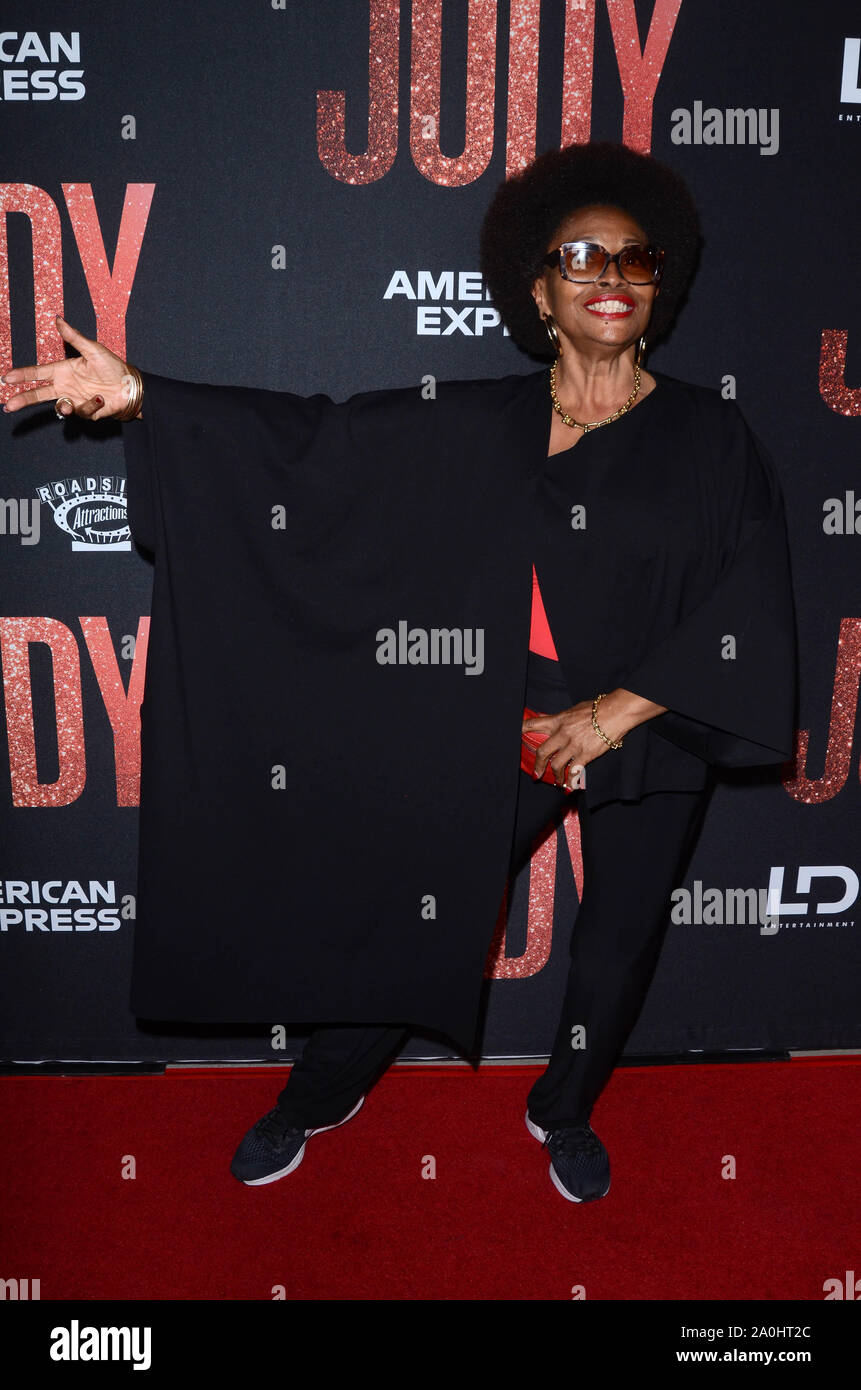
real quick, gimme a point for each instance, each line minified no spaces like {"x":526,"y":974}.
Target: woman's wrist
{"x":622,"y":710}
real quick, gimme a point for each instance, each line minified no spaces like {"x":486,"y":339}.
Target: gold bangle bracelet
{"x":612,"y":743}
{"x":135,"y":395}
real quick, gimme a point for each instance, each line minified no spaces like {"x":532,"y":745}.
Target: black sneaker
{"x":579,"y":1163}
{"x":271,"y":1149}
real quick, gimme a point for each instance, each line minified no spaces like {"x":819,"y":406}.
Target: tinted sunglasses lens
{"x":638,"y":264}
{"x":582,"y":261}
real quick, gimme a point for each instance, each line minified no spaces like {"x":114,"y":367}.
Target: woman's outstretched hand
{"x":97,"y":382}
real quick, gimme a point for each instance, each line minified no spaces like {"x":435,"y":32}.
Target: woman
{"x":648,"y":664}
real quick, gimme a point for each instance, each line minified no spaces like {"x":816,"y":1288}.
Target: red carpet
{"x":358,"y":1221}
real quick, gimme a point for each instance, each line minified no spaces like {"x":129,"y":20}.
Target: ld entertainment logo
{"x":91,"y":510}
{"x":821,"y":912}
{"x":850,"y":86}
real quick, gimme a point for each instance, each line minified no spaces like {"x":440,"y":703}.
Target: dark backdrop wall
{"x":220,"y":194}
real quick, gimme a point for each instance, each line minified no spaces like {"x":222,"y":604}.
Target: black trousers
{"x":634,"y":854}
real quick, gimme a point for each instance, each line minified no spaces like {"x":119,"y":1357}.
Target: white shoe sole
{"x":541,"y":1135}
{"x":282,"y":1172}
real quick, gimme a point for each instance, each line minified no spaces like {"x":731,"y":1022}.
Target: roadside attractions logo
{"x":90,"y":509}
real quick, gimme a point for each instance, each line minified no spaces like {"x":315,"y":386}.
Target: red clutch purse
{"x":530,"y":741}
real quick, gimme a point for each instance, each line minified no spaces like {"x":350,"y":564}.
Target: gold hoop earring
{"x":553,"y":334}
{"x":641,"y":351}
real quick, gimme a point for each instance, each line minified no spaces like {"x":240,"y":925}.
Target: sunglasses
{"x":585,"y":261}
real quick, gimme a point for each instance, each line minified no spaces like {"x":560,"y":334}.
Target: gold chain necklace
{"x":594,"y":424}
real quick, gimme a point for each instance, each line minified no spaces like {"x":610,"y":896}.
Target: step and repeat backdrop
{"x":289,"y":195}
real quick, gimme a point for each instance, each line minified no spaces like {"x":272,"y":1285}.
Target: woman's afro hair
{"x":529,"y":207}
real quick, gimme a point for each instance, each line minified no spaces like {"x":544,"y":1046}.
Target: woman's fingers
{"x":569,"y":739}
{"x":96,"y":374}
{"x":43,"y":371}
{"x":546,"y":752}
{"x":541,"y":722}
{"x":558,"y":749}
{"x":72,"y":336}
{"x":89,"y":408}
{"x":32,"y":397}
{"x":558,"y":758}
{"x":550,"y":756}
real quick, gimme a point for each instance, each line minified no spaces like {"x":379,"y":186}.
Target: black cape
{"x":324,"y":837}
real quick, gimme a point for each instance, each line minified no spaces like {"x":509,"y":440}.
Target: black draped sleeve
{"x":330,"y":726}
{"x":728,"y":671}
{"x":205,"y":431}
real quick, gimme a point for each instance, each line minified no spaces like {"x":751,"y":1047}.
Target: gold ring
{"x":59,"y":414}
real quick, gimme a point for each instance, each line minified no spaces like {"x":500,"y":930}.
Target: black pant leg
{"x":340,"y":1063}
{"x":632,"y":862}
{"x":337,"y":1066}
{"x":634,"y":855}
